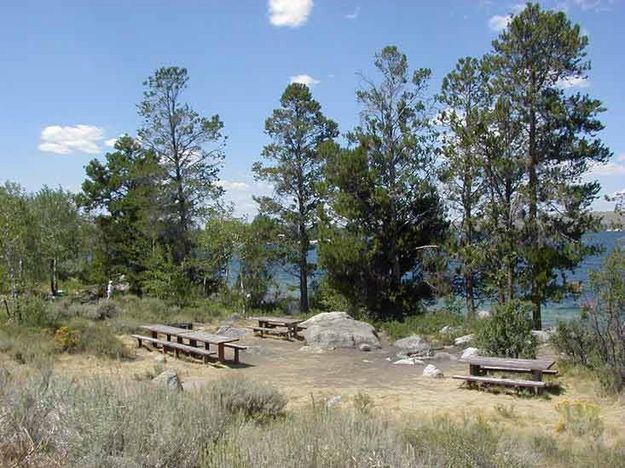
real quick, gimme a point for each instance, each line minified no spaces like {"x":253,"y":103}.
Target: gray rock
{"x":365,"y":347}
{"x":483,"y":314}
{"x":433,"y":372}
{"x":542,"y":336}
{"x":449,"y":330}
{"x":338,"y":330}
{"x":413,"y":345}
{"x":469,"y":352}
{"x":311,"y":349}
{"x":324,"y":317}
{"x":233,"y":332}
{"x":405,"y":362}
{"x":335,"y":400}
{"x":228,"y":322}
{"x":442,"y":355}
{"x":168,"y":379}
{"x":463,"y":340}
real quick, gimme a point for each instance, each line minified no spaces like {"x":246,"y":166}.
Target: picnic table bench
{"x":480,"y":366}
{"x":194,"y":337}
{"x":281,"y":325}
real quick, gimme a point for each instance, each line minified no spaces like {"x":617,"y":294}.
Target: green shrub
{"x":508,"y":332}
{"x":106,"y":310}
{"x":428,"y":324}
{"x":238,"y":395}
{"x":66,"y":339}
{"x":580,"y":418}
{"x":596,"y":340}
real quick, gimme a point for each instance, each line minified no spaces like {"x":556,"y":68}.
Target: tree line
{"x":476,"y":190}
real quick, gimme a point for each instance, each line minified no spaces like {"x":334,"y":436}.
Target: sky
{"x":71,"y":72}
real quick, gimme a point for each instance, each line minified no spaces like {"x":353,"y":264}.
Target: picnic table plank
{"x":209,"y":338}
{"x":157,"y":328}
{"x":510,"y":363}
{"x":278,"y":320}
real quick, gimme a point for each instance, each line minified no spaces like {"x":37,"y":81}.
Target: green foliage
{"x":427,"y":324}
{"x":189,"y":149}
{"x":597,"y":339}
{"x":241,"y":396}
{"x":508,"y":332}
{"x":580,"y":418}
{"x":295,"y":169}
{"x":532,"y":57}
{"x":123,"y":194}
{"x":383,"y":208}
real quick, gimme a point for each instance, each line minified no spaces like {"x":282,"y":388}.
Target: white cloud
{"x":305,"y":79}
{"x":610,"y":168}
{"x":110,"y":142}
{"x":239,"y":193}
{"x":291,"y":13}
{"x":233,"y":185}
{"x":67,"y":140}
{"x":354,"y":14}
{"x":498,"y":23}
{"x":574,"y":82}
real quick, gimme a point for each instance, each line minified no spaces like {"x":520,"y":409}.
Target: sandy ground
{"x":396,"y":390}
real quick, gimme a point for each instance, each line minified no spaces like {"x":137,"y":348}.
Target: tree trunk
{"x":470,"y":296}
{"x":53,"y":279}
{"x":532,"y":221}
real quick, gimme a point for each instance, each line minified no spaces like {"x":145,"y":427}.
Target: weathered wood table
{"x":208,"y":339}
{"x":196,"y":337}
{"x":480,"y":366}
{"x":273,"y":324}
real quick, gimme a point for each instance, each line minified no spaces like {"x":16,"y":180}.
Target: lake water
{"x":552,"y":312}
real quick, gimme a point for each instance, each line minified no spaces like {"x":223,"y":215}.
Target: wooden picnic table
{"x":537,"y":367}
{"x":193,"y":336}
{"x":479,"y":366}
{"x":208,"y":339}
{"x":166,"y":330}
{"x":270,"y":323}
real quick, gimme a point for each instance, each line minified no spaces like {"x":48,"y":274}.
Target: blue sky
{"x":71,"y":72}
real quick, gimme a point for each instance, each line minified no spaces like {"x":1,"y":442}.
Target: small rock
{"x":449,"y":330}
{"x":168,"y":379}
{"x":462,"y":340}
{"x":311,"y":349}
{"x":433,"y":372}
{"x":366,"y":361}
{"x":542,"y":336}
{"x":365,"y":347}
{"x":469,"y":352}
{"x":335,"y":400}
{"x":405,"y":362}
{"x":444,"y":355}
{"x":483,"y":314}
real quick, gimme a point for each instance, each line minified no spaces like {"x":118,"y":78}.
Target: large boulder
{"x":325,"y":317}
{"x":412,"y":345}
{"x":168,"y":379}
{"x":338,"y":330}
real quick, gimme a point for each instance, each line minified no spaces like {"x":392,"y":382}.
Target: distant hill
{"x":611,"y":220}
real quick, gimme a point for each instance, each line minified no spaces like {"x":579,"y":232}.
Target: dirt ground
{"x":397,"y":390}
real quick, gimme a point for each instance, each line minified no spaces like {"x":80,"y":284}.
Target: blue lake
{"x":552,"y":312}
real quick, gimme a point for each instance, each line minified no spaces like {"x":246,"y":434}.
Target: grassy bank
{"x":46,"y":420}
